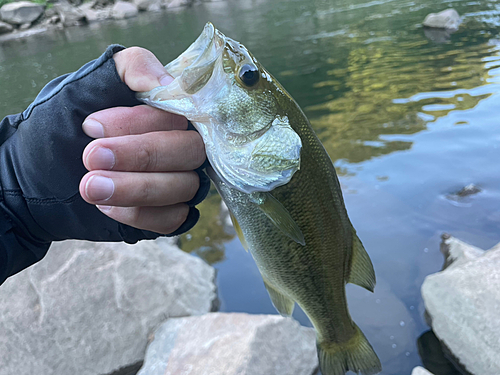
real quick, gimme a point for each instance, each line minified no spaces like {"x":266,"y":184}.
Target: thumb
{"x":140,"y":70}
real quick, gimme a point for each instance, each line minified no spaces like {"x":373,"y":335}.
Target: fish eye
{"x":249,"y":75}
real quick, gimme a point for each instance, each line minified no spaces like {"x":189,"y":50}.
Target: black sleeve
{"x":41,"y":168}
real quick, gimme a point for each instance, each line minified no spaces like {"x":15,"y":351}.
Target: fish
{"x":281,"y":189}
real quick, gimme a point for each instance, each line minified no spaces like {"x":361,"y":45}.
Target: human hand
{"x":142,"y":163}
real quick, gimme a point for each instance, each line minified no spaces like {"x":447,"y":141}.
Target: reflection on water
{"x":212,"y":231}
{"x":409,"y":117}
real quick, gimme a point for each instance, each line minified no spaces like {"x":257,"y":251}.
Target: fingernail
{"x":93,"y":128}
{"x":104,"y":209}
{"x":99,"y":188}
{"x":101,"y":158}
{"x":166,"y":80}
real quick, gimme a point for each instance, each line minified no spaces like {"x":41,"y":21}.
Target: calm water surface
{"x":407,"y":116}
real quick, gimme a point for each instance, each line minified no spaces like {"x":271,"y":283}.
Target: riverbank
{"x":21,"y":19}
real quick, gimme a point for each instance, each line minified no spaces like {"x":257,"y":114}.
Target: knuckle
{"x":148,"y":190}
{"x":145,"y":159}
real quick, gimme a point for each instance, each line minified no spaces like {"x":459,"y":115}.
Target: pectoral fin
{"x":362,"y":272}
{"x":282,"y":303}
{"x":238,"y":230}
{"x":279,"y":216}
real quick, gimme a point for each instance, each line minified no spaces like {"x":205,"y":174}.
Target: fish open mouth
{"x":194,"y":67}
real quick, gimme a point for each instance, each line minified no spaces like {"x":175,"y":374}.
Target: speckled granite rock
{"x":231,"y":344}
{"x":463,"y":302}
{"x":89,"y":308}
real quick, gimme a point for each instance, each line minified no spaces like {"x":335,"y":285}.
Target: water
{"x":407,"y":120}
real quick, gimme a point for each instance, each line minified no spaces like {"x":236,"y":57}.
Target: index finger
{"x":141,"y":119}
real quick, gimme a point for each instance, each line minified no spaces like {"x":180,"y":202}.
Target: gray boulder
{"x":447,"y":19}
{"x":89,"y":308}
{"x":21,"y":12}
{"x":123,"y":9}
{"x":463,"y":302}
{"x":231,"y":344}
{"x":5,"y":27}
{"x":69,"y":14}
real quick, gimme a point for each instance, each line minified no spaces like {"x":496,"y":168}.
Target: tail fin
{"x":356,"y":355}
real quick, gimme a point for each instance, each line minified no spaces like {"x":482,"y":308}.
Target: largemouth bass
{"x":280,"y":187}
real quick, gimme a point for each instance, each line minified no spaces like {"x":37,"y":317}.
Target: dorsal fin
{"x":362,"y":272}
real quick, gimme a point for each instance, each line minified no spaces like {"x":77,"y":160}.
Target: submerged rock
{"x":463,"y":302}
{"x":21,"y":12}
{"x":232,"y":344}
{"x":447,"y":19}
{"x":124,"y":9}
{"x":89,"y":308}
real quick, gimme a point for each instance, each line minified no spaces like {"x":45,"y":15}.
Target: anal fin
{"x":362,"y":272}
{"x":282,"y":303}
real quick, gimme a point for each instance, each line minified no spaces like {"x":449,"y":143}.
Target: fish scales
{"x":281,"y":189}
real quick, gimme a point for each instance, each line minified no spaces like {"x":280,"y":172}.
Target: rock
{"x":21,"y":12}
{"x":457,"y":252}
{"x":123,"y":9}
{"x":177,"y":3}
{"x":420,"y":371}
{"x":463,"y":302}
{"x":148,"y":4}
{"x":90,"y":14}
{"x":466,"y":191}
{"x":69,"y":15}
{"x":25,"y":26}
{"x":5,"y":28}
{"x":447,"y":19}
{"x":231,"y":344}
{"x":89,"y":308}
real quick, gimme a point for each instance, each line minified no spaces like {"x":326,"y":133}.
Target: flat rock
{"x":231,"y":344}
{"x":463,"y":303}
{"x":420,"y":371}
{"x":89,"y":308}
{"x":447,"y":19}
{"x":124,"y":9}
{"x":5,"y":27}
{"x":21,"y":12}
